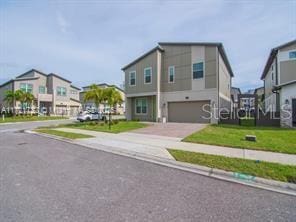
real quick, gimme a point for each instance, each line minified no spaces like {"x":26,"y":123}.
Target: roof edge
{"x":143,"y":56}
{"x":57,"y":76}
{"x":272,"y":54}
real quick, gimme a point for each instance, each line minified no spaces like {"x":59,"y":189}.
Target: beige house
{"x":103,"y":108}
{"x":179,"y":82}
{"x":279,"y":76}
{"x":53,"y":94}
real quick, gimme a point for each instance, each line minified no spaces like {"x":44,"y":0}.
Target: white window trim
{"x":129,"y":78}
{"x":147,"y":68}
{"x":26,"y":88}
{"x":169,"y":74}
{"x":61,"y":91}
{"x":45,"y":91}
{"x":199,"y":61}
{"x":141,"y":114}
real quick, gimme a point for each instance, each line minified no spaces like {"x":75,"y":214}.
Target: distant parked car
{"x":89,"y":116}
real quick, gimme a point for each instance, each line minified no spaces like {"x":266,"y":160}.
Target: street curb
{"x":257,"y":182}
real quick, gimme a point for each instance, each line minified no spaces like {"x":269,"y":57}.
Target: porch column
{"x":128,"y":108}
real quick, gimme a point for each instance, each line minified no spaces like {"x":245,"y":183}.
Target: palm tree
{"x":24,"y":98}
{"x":9,"y":99}
{"x":12,"y":97}
{"x":28,"y":98}
{"x":112,"y":97}
{"x":94,"y":94}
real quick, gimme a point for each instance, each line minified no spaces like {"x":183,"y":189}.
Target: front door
{"x":294,"y":111}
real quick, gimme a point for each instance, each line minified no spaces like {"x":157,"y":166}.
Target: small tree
{"x":95,"y":94}
{"x":28,"y":98}
{"x":9,"y":99}
{"x":112,"y":97}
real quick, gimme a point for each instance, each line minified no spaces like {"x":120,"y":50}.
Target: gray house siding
{"x":140,"y":87}
{"x":288,"y":71}
{"x":180,"y":57}
{"x":210,"y":67}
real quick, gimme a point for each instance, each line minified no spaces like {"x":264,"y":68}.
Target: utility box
{"x":251,"y":138}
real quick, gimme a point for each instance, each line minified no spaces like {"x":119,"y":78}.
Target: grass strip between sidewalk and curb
{"x":121,"y":126}
{"x":63,"y":134}
{"x":268,"y":138}
{"x":17,"y":119}
{"x":285,"y":173}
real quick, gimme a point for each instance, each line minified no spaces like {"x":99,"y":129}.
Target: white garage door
{"x":189,"y":112}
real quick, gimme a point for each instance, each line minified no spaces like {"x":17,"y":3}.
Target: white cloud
{"x":62,"y":22}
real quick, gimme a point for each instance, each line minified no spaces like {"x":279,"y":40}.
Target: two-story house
{"x":179,"y":82}
{"x":279,"y":76}
{"x":53,"y":94}
{"x":103,"y":107}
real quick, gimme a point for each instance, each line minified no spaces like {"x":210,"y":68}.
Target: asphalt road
{"x":11,"y":127}
{"x":45,"y":180}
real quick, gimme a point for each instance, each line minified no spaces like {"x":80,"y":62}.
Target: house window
{"x":141,"y":106}
{"x":26,"y":87}
{"x":132,"y":78}
{"x":198,"y":70}
{"x":171,"y":74}
{"x":292,"y":55}
{"x":61,"y":91}
{"x":74,"y":92}
{"x":147,"y":75}
{"x":42,"y":89}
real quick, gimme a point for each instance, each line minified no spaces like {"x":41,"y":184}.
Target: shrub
{"x":115,"y":121}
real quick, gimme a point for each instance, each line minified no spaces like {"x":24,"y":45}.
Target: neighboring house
{"x":53,"y":94}
{"x":179,"y":82}
{"x":279,"y":76}
{"x":90,"y":105}
{"x":260,"y":95}
{"x":235,"y":92}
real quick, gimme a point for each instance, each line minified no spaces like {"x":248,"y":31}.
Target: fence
{"x":260,"y":118}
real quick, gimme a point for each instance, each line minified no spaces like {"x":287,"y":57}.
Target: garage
{"x":188,"y":112}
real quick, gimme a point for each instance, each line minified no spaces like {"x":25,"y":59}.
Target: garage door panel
{"x":188,"y":112}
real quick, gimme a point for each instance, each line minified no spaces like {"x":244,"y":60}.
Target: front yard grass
{"x":29,"y":118}
{"x":263,"y":169}
{"x":121,"y":126}
{"x":63,"y":134}
{"x":268,"y":138}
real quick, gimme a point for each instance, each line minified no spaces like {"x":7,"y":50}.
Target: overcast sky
{"x":90,"y":41}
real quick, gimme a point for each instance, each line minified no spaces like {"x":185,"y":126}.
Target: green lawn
{"x":267,"y":170}
{"x":28,"y":118}
{"x":63,"y":134}
{"x":121,"y":126}
{"x":268,"y":138}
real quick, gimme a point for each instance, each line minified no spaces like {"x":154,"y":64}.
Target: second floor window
{"x":74,"y":92}
{"x":132,"y":78}
{"x":42,"y":89}
{"x":61,"y":91}
{"x":292,"y":55}
{"x":171,"y":74}
{"x":147,"y":75}
{"x":26,"y":87}
{"x":198,"y":70}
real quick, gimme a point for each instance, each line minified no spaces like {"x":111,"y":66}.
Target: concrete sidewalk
{"x":157,"y":145}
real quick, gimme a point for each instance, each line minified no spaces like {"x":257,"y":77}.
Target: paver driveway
{"x":179,"y":130}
